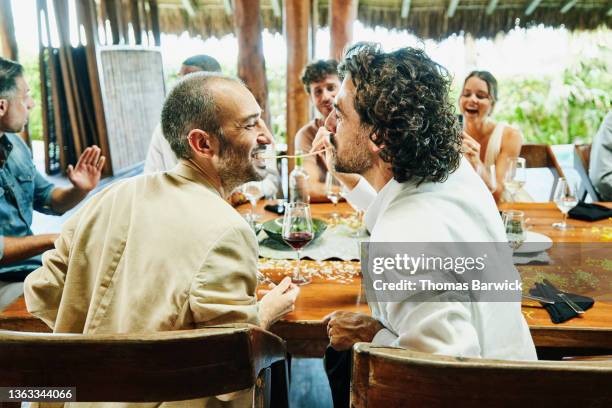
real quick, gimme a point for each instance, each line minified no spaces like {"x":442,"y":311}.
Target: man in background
{"x":23,"y":189}
{"x":160,"y":156}
{"x":321,"y":81}
{"x":600,"y":170}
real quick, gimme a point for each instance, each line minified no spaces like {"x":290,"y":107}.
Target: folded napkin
{"x":590,"y":212}
{"x":560,"y":311}
{"x":538,"y":258}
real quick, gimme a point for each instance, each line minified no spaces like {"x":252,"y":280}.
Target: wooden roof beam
{"x":452,"y":7}
{"x":405,"y":8}
{"x":568,"y":6}
{"x":532,"y":6}
{"x":491,"y":6}
{"x":189,"y":7}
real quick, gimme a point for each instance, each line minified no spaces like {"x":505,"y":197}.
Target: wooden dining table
{"x":336,"y":285}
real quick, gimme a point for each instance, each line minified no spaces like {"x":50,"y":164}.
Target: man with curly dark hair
{"x":394,"y":125}
{"x":321,"y":81}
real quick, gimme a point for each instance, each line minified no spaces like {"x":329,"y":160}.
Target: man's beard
{"x":355,"y":159}
{"x":236,"y":168}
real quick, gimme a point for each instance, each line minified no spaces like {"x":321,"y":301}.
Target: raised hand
{"x":88,"y":170}
{"x":471,"y":150}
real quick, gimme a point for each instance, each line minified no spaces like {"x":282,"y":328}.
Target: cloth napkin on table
{"x":589,"y":212}
{"x":560,"y":311}
{"x":538,"y":258}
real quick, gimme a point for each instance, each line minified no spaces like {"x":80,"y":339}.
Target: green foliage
{"x":558,"y":110}
{"x":32,"y":77}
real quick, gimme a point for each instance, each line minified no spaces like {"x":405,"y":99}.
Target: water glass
{"x":514,"y":223}
{"x":565,"y":198}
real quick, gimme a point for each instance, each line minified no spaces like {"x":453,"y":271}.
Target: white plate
{"x":534,"y":242}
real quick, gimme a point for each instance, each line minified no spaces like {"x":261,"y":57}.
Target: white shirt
{"x":459,"y":210}
{"x":161,"y":157}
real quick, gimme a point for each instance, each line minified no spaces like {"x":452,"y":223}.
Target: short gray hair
{"x":9,"y":72}
{"x":191,"y":105}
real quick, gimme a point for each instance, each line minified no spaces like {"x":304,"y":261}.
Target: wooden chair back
{"x":387,"y":377}
{"x":582,"y":160}
{"x":541,"y":155}
{"x":164,"y":366}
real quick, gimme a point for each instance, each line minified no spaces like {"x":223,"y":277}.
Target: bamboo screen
{"x":133,"y":92}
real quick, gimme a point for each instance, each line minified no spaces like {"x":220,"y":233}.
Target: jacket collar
{"x":190,"y":171}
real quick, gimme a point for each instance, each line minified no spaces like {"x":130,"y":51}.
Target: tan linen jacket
{"x":152,"y":253}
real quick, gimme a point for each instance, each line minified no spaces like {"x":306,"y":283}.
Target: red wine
{"x":298,"y":240}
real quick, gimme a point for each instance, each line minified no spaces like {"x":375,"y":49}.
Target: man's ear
{"x":203,"y":143}
{"x":374,"y":148}
{"x":3,"y":106}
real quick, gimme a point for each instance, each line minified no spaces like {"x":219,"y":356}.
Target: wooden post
{"x":343,"y":14}
{"x":297,"y":15}
{"x":112,"y":8}
{"x":251,"y":62}
{"x":87,"y":17}
{"x":154,"y":10}
{"x":7,"y":31}
{"x":135,"y":13}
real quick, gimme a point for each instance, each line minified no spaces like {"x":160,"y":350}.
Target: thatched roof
{"x":426,"y":19}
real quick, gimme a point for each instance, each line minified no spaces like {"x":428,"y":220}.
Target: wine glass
{"x":565,"y":198}
{"x":516,"y":175}
{"x":252,"y":191}
{"x":514,"y":223}
{"x":332,"y":190}
{"x":297,"y":233}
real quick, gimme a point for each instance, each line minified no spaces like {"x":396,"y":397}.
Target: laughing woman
{"x":486,"y":143}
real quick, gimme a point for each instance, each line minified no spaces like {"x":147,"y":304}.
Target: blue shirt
{"x":22,"y":190}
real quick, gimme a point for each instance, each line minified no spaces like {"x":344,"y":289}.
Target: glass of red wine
{"x":297,"y":233}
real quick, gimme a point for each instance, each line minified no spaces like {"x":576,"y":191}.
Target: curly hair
{"x":318,"y":71}
{"x":403,"y":97}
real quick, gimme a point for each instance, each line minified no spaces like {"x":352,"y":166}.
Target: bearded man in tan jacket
{"x":165,"y":251}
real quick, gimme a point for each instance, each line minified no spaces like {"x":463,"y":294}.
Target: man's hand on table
{"x":347,"y":328}
{"x":277,"y":302}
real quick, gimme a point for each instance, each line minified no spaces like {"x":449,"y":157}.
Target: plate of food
{"x":534,"y":242}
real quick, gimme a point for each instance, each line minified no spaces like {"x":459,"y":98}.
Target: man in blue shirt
{"x":23,"y":189}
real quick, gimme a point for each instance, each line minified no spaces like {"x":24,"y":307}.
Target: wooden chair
{"x":582,"y":160}
{"x":387,"y":377}
{"x":164,"y":366}
{"x":541,"y":155}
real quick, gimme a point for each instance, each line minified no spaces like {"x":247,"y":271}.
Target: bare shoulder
{"x":512,"y":135}
{"x":306,"y":134}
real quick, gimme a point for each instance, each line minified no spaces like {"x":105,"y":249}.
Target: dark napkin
{"x":560,"y":311}
{"x":589,"y":212}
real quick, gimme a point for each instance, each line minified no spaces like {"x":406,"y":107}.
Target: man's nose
{"x":330,"y":122}
{"x":265,"y":137}
{"x":327,"y":95}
